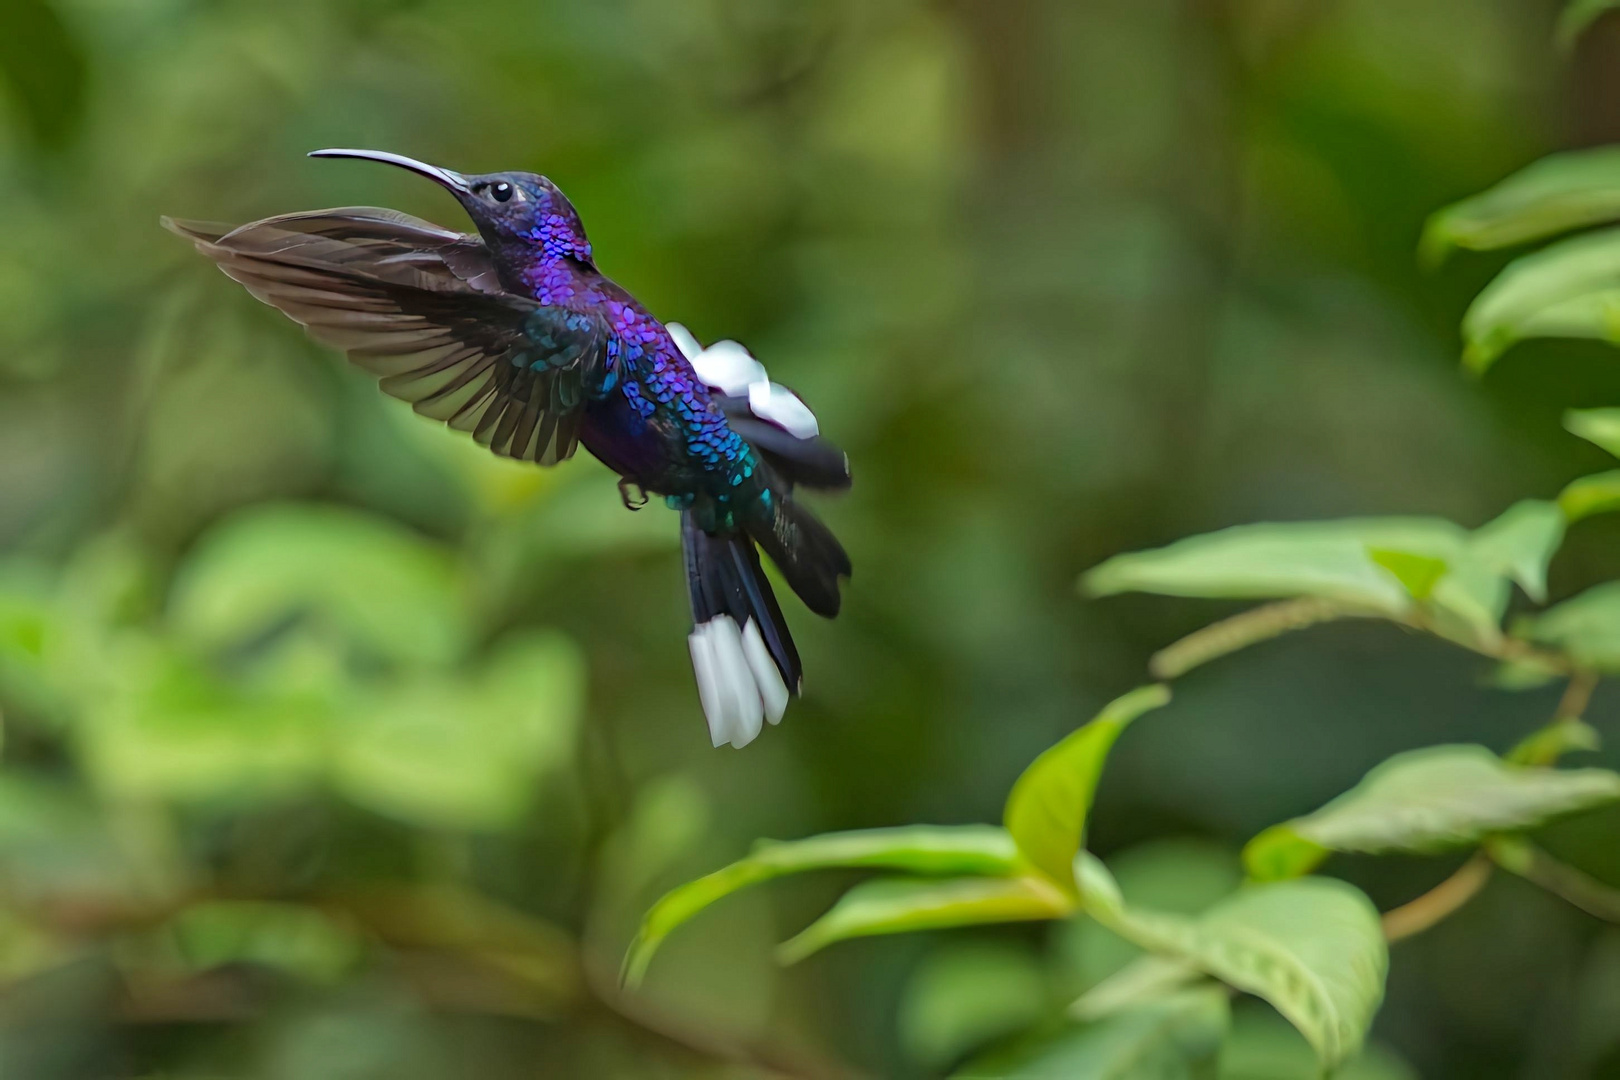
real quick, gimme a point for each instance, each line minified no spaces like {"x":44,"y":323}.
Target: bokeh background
{"x":334,"y":749}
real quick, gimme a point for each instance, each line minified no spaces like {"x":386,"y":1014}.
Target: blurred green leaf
{"x":44,"y":68}
{"x":1176,"y":1038}
{"x":1553,"y":741}
{"x":1577,"y":16}
{"x":1520,"y":543}
{"x":1598,"y":426}
{"x":465,"y":752}
{"x":940,"y":850}
{"x":1313,"y":947}
{"x":1418,"y":574}
{"x":377,"y":585}
{"x":1144,"y":979}
{"x":169,"y":729}
{"x":1556,"y":194}
{"x":299,"y":940}
{"x":1263,"y":1046}
{"x":1429,"y":800}
{"x":1586,"y":626}
{"x":1047,"y":807}
{"x":1567,"y":289}
{"x":962,"y":996}
{"x":902,"y":905}
{"x":1588,"y":495}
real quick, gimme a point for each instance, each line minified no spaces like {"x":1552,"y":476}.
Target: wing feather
{"x":422,"y":308}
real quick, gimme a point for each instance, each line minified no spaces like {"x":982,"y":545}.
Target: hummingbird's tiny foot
{"x":632,"y":502}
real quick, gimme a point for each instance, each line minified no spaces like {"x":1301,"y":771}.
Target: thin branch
{"x":1242,"y":630}
{"x":1439,"y":902}
{"x":1577,"y":696}
{"x":1592,"y":896}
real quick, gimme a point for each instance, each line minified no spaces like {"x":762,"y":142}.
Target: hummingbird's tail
{"x":742,"y":653}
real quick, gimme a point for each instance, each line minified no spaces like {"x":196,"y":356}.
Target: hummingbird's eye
{"x":500,"y":192}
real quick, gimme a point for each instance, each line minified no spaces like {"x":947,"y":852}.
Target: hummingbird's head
{"x":513,"y":210}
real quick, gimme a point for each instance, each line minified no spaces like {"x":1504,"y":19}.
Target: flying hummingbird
{"x":514,"y":336}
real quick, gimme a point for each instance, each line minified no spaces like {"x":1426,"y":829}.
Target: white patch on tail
{"x":738,"y":683}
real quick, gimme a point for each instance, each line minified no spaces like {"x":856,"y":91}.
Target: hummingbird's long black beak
{"x":452,"y":180}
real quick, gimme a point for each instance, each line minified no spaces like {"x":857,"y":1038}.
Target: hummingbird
{"x":513,"y":335}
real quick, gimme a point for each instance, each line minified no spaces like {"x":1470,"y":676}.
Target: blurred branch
{"x":1439,"y":902}
{"x":1518,"y":856}
{"x":1577,"y":696}
{"x":1242,"y":630}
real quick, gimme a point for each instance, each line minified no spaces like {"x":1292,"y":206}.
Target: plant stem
{"x":1592,"y":896}
{"x":1439,"y":902}
{"x":1242,"y":630}
{"x":1577,"y":695}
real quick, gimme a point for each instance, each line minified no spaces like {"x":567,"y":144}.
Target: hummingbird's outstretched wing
{"x":422,"y":307}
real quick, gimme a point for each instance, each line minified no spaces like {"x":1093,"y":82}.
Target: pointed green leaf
{"x":955,"y":850}
{"x":900,"y":905}
{"x":1177,"y":1037}
{"x":1557,"y":194}
{"x":1554,"y":741}
{"x":1588,"y":495}
{"x":1046,"y":810}
{"x":1314,"y":948}
{"x":1376,"y":566}
{"x":1601,"y":427}
{"x":1586,"y":627}
{"x":1271,"y":561}
{"x":1567,"y":289}
{"x":1418,"y":574}
{"x":1430,"y":800}
{"x":1520,"y":543}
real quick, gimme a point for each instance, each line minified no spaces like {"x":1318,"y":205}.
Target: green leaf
{"x":1313,"y":947}
{"x":465,"y":752}
{"x":1567,"y":289}
{"x":1272,"y":561}
{"x":1554,"y":741}
{"x":1263,"y":1046}
{"x":166,"y":728}
{"x":1558,"y":194}
{"x":1380,"y":566}
{"x":1429,"y":800}
{"x":1577,"y":16}
{"x":965,"y":995}
{"x":1588,"y":495}
{"x":1418,"y":574}
{"x":898,"y":905}
{"x":1586,"y":627}
{"x":1046,"y":810}
{"x":1179,"y":876}
{"x":1600,"y":427}
{"x":939,"y":850}
{"x":379,"y":587}
{"x":1174,"y":1038}
{"x":1520,"y":543}
{"x":300,"y":940}
{"x":1145,"y":979}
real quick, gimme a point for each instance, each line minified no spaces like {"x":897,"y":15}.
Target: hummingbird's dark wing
{"x":422,"y":307}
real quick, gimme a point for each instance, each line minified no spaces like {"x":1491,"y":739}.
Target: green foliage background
{"x":336,"y":750}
